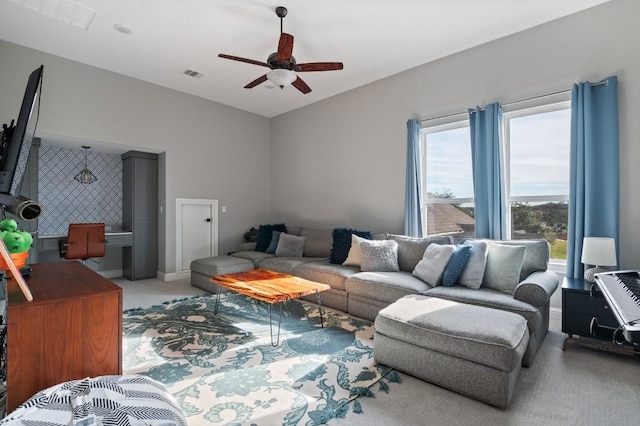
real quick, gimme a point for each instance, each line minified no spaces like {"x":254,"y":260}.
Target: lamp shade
{"x":599,"y":251}
{"x":281,"y":77}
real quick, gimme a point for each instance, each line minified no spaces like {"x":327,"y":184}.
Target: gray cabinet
{"x":140,"y":214}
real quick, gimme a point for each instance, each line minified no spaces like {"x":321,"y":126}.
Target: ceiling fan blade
{"x":248,"y":61}
{"x":285,"y":47}
{"x":318,"y":66}
{"x":301,"y":85}
{"x":257,"y":81}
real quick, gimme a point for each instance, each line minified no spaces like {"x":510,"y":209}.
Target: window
{"x":446,"y":168}
{"x":537,"y":142}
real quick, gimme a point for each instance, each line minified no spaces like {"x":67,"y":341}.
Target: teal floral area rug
{"x":223,"y":369}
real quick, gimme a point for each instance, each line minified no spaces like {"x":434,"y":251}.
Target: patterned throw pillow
{"x":379,"y":256}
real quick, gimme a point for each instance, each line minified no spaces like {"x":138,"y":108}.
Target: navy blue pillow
{"x":265,"y":234}
{"x":456,"y":265}
{"x":342,"y":243}
{"x":274,"y":242}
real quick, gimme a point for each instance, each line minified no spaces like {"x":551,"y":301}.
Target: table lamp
{"x":598,"y":251}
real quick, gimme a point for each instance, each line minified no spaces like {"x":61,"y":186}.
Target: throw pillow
{"x":434,"y":261}
{"x":473,"y":271}
{"x":355,"y":252}
{"x":456,"y":265}
{"x":379,"y":256}
{"x":503,"y":267}
{"x":342,"y":243}
{"x":265,"y":233}
{"x":290,"y":246}
{"x":274,"y":242}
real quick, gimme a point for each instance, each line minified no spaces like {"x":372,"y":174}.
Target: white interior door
{"x":197,"y":233}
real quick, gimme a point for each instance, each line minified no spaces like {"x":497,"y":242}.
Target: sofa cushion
{"x":435,"y":260}
{"x":254,"y":256}
{"x":456,"y":265}
{"x":342,"y":243}
{"x":325,"y":272}
{"x":290,"y":246}
{"x":411,"y":250}
{"x":355,"y":252}
{"x":318,"y":243}
{"x":381,"y":256}
{"x":473,"y":271}
{"x":265,"y":233}
{"x":385,"y":287}
{"x":503,"y":267}
{"x":285,"y":265}
{"x":491,"y":299}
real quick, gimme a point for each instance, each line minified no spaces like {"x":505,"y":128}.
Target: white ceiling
{"x":373,"y":38}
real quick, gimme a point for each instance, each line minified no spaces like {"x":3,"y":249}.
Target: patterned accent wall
{"x":65,"y":201}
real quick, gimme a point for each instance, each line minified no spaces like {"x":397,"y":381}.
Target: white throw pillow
{"x":473,"y":271}
{"x":435,"y":259}
{"x":354,"y":258}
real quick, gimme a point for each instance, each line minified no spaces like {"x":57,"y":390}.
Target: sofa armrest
{"x":537,"y":288}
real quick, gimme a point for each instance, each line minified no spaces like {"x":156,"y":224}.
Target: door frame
{"x":180,"y":202}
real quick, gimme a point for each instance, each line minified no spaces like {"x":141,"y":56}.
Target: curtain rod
{"x":533,"y":98}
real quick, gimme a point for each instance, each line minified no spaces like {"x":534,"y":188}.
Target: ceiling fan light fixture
{"x":281,"y":77}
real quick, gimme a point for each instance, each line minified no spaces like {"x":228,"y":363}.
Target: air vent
{"x":192,"y":73}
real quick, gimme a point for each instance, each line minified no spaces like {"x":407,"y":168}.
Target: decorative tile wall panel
{"x":65,"y":201}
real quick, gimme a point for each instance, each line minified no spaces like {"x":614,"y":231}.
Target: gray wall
{"x":209,"y":150}
{"x":342,"y":161}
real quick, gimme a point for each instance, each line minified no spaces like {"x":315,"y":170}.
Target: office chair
{"x":84,"y":241}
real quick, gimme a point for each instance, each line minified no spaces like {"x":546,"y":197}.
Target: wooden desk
{"x":71,"y":330}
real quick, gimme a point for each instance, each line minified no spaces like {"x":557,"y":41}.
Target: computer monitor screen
{"x":14,"y":151}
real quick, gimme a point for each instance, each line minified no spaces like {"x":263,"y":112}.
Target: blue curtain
{"x":412,"y":203}
{"x":594,"y":193}
{"x":488,"y":172}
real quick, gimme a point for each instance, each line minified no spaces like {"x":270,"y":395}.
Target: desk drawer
{"x":49,"y":244}
{"x":119,"y":240}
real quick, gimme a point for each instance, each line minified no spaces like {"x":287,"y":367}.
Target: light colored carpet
{"x":582,"y":386}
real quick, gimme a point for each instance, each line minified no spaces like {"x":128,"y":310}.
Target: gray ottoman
{"x":203,"y":269}
{"x":470,"y":349}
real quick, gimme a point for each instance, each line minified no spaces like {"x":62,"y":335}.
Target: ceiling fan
{"x":283,"y":65}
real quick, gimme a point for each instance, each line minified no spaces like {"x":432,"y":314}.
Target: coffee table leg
{"x":320,"y":309}
{"x":215,"y":307}
{"x":277,"y":342}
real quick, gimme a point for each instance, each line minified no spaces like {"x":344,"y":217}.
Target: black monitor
{"x":16,"y":145}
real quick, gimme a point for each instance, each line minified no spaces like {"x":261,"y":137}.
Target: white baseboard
{"x":114,"y":273}
{"x":173,"y":276}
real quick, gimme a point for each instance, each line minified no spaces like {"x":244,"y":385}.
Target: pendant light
{"x":85,"y":176}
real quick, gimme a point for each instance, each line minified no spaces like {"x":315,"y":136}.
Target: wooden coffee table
{"x":271,"y":287}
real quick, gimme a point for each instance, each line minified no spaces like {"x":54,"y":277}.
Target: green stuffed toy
{"x":15,"y":240}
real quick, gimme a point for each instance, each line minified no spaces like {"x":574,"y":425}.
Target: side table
{"x":583,"y":305}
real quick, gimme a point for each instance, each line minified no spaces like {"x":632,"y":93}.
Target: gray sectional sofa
{"x":364,"y":294}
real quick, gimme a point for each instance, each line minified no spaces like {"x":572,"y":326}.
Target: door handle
{"x":208,"y":219}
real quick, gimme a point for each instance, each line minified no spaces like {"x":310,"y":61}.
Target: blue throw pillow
{"x":342,"y":243}
{"x":455,"y":266}
{"x":265,"y":233}
{"x":274,"y":242}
